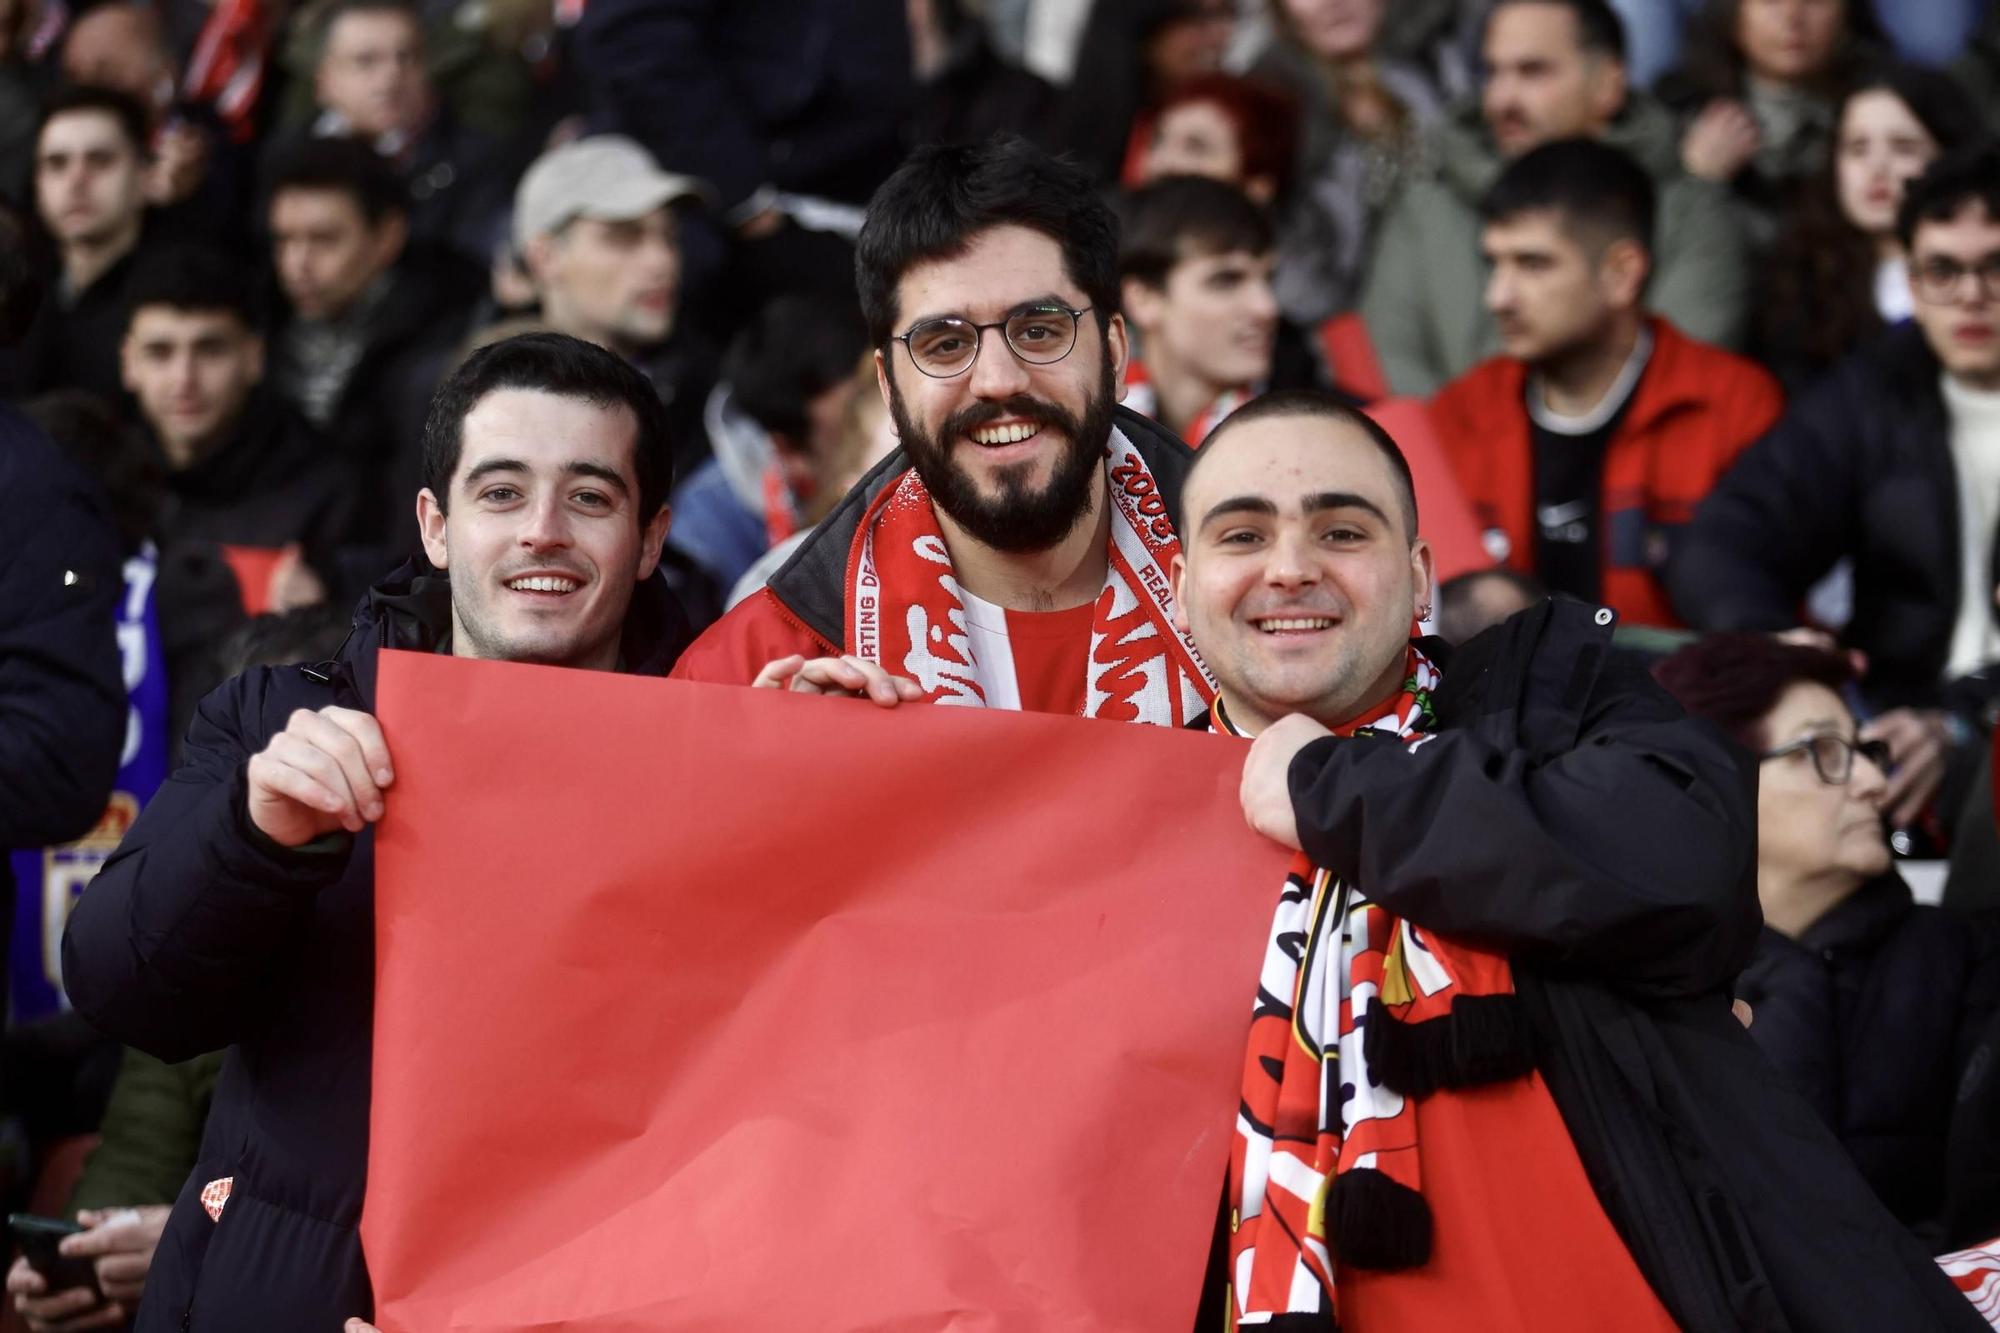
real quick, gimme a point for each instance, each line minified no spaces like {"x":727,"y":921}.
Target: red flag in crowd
{"x":702,"y":1006}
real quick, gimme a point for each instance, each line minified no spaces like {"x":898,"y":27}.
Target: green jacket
{"x":1425,"y":297}
{"x":151,"y":1134}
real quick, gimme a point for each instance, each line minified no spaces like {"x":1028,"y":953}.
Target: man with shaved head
{"x":1493,"y":1065}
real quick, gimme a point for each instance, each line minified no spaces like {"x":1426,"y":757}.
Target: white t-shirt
{"x":1892,"y":291}
{"x":1975,"y":452}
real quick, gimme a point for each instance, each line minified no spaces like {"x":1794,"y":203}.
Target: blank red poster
{"x":714,"y":1008}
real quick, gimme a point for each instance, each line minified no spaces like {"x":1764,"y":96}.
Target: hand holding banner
{"x":708,"y":1007}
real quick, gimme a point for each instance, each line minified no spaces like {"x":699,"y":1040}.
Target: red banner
{"x":707,"y":1007}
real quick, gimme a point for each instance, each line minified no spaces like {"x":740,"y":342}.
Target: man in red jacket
{"x":1585,"y":448}
{"x":1012,"y":553}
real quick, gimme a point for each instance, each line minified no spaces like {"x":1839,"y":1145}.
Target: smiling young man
{"x":1494,"y":1079}
{"x":239,"y":910}
{"x":1012,"y":553}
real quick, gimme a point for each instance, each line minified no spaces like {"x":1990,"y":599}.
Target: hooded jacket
{"x":804,"y":607}
{"x":1424,"y":302}
{"x":1513,"y":829}
{"x":201,"y":933}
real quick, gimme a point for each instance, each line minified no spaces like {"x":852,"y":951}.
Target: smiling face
{"x":1297,"y":580}
{"x":1881,"y":146}
{"x":543,"y":539}
{"x":1960,"y":321}
{"x":1011,"y":452}
{"x":1808,"y":828}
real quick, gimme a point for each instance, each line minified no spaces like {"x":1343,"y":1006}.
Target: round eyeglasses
{"x":1038,"y":335}
{"x":1833,"y":756}
{"x":1939,"y":279}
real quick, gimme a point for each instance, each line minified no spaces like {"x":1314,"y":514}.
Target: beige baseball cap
{"x":604,"y":176}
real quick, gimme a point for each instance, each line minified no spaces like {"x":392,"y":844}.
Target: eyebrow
{"x":1313,"y":504}
{"x":608,"y":476}
{"x":1041,"y":302}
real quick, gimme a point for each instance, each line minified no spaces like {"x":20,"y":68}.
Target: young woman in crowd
{"x":1760,"y":89}
{"x":1867,"y":1001}
{"x":1364,"y":117}
{"x":1838,"y":273}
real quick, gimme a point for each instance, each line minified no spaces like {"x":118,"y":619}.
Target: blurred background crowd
{"x":1686,"y":307}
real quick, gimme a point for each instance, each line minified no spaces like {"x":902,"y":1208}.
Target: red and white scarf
{"x":906,"y":608}
{"x":1359,"y":1014}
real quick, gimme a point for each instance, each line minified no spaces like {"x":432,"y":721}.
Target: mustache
{"x":1021,"y":407}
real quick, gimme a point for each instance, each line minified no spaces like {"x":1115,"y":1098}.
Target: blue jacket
{"x":200,"y":933}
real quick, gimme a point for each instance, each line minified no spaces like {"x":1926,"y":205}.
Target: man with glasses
{"x":1013,"y":552}
{"x":1891,"y":465}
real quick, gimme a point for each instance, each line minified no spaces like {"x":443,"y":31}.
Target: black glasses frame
{"x":1940,"y":288}
{"x":1876,"y":752}
{"x":979,"y":338}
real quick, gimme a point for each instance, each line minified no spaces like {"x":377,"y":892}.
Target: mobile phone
{"x":38,"y":1237}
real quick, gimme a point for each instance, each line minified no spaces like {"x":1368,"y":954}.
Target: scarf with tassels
{"x":906,"y":609}
{"x":1359,"y":1013}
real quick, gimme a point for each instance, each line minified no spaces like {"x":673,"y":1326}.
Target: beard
{"x":1018,"y":518}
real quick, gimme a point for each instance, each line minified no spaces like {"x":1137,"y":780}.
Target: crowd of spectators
{"x":1690,"y":308}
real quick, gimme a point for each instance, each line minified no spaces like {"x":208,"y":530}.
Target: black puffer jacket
{"x":1872,"y":1012}
{"x":1860,"y":466}
{"x":1568,"y":812}
{"x":200,"y":934}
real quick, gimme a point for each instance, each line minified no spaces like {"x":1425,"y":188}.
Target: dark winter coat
{"x":200,"y":933}
{"x":1871,"y":1012}
{"x":1860,"y":466}
{"x":807,"y":96}
{"x":62,"y":692}
{"x":1569,"y":813}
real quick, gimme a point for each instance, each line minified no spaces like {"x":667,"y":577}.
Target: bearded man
{"x":1013,"y":551}
{"x":1493,"y":1077}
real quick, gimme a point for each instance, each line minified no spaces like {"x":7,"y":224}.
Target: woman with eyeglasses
{"x":1866,"y":1000}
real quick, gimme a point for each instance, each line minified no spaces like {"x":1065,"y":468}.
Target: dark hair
{"x":796,"y":349}
{"x":336,"y":10}
{"x":23,"y":274}
{"x":133,"y":122}
{"x":348,"y":166}
{"x":1599,"y":30}
{"x":190,"y":277}
{"x":1967,"y":176}
{"x":945,"y":195}
{"x":1321,"y":404}
{"x":1713,"y":65}
{"x":1266,"y":120}
{"x":1178,"y":217}
{"x":281,"y":638}
{"x":1734,"y":680}
{"x":1460,"y":614}
{"x":1821,"y":297}
{"x":1599,"y":190}
{"x":569,"y":368}
{"x":118,"y":458}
